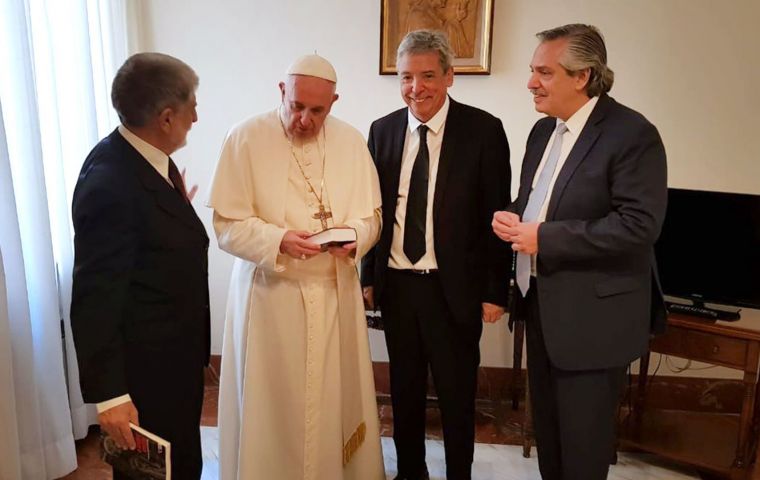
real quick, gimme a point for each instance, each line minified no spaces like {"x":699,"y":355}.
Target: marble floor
{"x":497,"y":456}
{"x":492,"y":462}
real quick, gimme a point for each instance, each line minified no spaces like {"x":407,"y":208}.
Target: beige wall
{"x":691,"y":66}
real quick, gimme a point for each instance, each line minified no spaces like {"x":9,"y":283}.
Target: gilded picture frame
{"x":467,"y":23}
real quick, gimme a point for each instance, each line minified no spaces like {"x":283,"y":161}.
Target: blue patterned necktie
{"x":535,"y":201}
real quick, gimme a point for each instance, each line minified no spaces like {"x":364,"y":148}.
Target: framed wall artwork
{"x":467,"y":23}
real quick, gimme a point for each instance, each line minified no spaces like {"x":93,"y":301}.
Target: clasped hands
{"x":523,"y":236}
{"x":296,"y":244}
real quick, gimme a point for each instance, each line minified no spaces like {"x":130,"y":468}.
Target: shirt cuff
{"x":114,"y":402}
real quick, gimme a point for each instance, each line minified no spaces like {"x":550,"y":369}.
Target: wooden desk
{"x":725,"y":444}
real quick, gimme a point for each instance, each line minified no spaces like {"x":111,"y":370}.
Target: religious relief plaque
{"x":467,"y":23}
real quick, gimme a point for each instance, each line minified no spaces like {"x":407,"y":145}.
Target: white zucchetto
{"x":313,"y":66}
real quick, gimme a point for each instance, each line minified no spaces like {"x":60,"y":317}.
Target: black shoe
{"x":425,"y":476}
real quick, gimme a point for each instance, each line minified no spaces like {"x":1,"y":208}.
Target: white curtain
{"x":56,"y":63}
{"x":10,"y":461}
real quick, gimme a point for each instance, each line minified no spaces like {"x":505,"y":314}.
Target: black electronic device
{"x":698,"y":309}
{"x":709,"y":252}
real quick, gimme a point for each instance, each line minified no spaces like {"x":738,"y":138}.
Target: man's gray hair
{"x":148,"y":83}
{"x":585,"y":49}
{"x":426,"y":41}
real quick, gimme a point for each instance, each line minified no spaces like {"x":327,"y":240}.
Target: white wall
{"x":691,"y":66}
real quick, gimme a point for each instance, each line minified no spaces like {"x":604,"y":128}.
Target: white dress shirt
{"x":436,"y":127}
{"x":574,"y":126}
{"x":157,"y":158}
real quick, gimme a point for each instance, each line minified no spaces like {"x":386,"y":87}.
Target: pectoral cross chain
{"x":322,"y":215}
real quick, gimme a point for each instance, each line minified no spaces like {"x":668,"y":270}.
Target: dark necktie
{"x":176,"y":179}
{"x":416,"y":204}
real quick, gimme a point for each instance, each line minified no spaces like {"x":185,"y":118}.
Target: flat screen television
{"x":709,"y":248}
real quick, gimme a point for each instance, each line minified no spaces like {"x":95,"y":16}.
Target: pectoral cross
{"x":322,"y":215}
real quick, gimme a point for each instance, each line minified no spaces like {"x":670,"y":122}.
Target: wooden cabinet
{"x":724,"y":444}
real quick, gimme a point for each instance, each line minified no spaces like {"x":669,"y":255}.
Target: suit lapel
{"x":534,"y":153}
{"x":166,"y":197}
{"x":396,"y":151}
{"x":451,"y":140}
{"x":588,"y":137}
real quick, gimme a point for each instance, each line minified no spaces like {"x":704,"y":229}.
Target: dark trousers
{"x":167,"y":390}
{"x":573,"y":411}
{"x":421,"y":333}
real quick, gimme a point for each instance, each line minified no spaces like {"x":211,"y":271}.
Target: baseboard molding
{"x":666,"y":392}
{"x":717,"y":395}
{"x":493,"y":383}
{"x":214,"y":370}
{"x":215,"y":364}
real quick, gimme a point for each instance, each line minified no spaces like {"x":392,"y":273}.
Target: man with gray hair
{"x":297,"y":396}
{"x":139,"y":306}
{"x":438,"y":269}
{"x":591,"y":204}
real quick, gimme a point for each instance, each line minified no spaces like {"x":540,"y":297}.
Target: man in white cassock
{"x":297,"y":396}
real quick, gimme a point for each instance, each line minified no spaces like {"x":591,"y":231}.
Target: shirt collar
{"x":434,"y":124}
{"x":157,"y":159}
{"x":578,"y":120}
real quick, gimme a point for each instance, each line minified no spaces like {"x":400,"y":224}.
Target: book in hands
{"x":374,"y":319}
{"x":150,"y":460}
{"x":333,"y":237}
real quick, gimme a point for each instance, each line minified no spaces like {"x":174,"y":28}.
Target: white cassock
{"x":297,"y":395}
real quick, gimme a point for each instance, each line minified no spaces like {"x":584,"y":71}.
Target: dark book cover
{"x":374,"y":319}
{"x":333,"y":237}
{"x":150,"y":460}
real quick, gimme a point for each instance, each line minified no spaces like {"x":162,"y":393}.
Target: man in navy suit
{"x":592,"y":198}
{"x":139,"y":308}
{"x":438,"y":269}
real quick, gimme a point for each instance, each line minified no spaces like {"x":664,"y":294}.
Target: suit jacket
{"x":473,"y":182}
{"x":598,"y":290}
{"x":140,"y":271}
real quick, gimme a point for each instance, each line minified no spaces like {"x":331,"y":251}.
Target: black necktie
{"x":176,"y":179}
{"x":416,"y":204}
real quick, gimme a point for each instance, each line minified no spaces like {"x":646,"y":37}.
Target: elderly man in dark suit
{"x":438,"y":268}
{"x":139,"y":309}
{"x":593,"y":191}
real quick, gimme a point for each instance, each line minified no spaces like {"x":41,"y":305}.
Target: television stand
{"x":721,"y":443}
{"x":698,"y":309}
